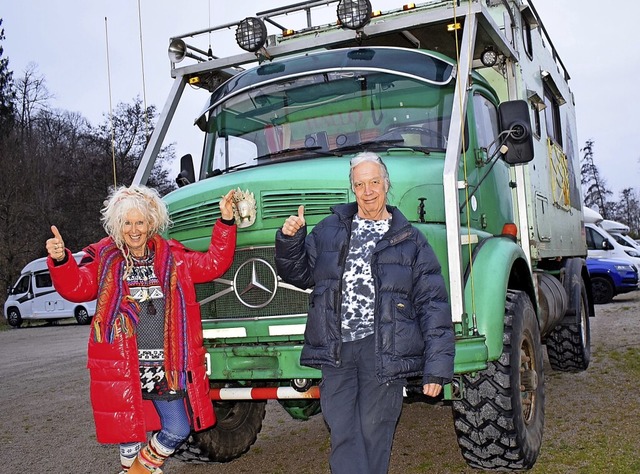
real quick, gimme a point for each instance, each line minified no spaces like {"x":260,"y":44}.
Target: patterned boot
{"x":128,"y":453}
{"x":150,"y":458}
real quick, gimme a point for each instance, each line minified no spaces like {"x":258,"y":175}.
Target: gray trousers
{"x":361,"y":413}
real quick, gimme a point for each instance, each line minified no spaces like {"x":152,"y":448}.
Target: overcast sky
{"x":67,"y":41}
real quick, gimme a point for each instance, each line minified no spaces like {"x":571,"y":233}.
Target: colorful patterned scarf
{"x":118,"y":313}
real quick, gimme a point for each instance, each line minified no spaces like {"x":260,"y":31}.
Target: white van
{"x":624,"y":239}
{"x":34,"y":297}
{"x":600,"y":244}
{"x":620,"y":232}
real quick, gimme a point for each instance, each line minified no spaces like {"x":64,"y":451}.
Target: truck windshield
{"x":326,"y":113}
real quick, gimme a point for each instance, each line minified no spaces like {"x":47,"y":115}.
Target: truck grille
{"x":272,"y":205}
{"x":200,"y":216}
{"x":282,"y":204}
{"x":245,"y":289}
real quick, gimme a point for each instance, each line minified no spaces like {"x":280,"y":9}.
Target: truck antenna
{"x":113,"y":151}
{"x":144,"y":89}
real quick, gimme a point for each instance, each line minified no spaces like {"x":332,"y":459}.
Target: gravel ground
{"x":46,"y":424}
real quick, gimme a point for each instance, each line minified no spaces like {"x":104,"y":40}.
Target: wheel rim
{"x":83,"y":315}
{"x":583,"y":320}
{"x":13,"y":317}
{"x":600,"y":290}
{"x":528,"y":379}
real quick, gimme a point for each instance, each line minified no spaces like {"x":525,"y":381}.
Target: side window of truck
{"x":552,"y":116}
{"x":486,"y":115}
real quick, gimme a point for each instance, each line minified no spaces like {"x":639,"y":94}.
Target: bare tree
{"x":131,"y":126}
{"x":628,"y":210}
{"x":13,"y":224}
{"x":595,"y":186}
{"x":32,"y":98}
{"x":55,"y":168}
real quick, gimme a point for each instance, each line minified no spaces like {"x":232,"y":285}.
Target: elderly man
{"x":378,"y":314}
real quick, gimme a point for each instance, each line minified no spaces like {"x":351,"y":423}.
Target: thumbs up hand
{"x":294,"y":223}
{"x":55,"y":245}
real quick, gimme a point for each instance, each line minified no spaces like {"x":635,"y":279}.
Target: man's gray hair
{"x":369,"y":156}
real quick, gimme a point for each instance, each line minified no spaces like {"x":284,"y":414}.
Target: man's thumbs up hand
{"x":294,"y":223}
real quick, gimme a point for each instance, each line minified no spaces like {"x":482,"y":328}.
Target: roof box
{"x":613,"y":226}
{"x":591,"y":216}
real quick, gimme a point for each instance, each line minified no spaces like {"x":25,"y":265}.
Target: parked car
{"x":602,"y":244}
{"x":620,"y":232}
{"x":610,"y":277}
{"x":624,"y":239}
{"x":34,"y":297}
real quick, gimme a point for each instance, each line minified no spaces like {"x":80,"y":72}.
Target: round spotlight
{"x":177,"y":50}
{"x":354,"y":14}
{"x":251,"y":34}
{"x":489,"y":57}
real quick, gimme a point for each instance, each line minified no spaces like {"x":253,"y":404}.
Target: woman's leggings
{"x":175,"y":423}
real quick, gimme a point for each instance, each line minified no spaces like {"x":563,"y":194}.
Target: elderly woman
{"x":146,"y":357}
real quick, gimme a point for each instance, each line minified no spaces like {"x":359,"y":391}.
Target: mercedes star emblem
{"x":255,"y":283}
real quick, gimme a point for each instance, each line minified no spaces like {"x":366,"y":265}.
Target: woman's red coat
{"x":120,"y":413}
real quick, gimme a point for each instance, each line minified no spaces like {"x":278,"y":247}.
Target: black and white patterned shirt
{"x":145,"y":288}
{"x":357,"y":282}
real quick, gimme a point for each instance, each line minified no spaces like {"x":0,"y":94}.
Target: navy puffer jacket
{"x":413,"y":329}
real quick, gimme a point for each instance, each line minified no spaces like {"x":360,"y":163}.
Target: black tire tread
{"x":227,"y":439}
{"x":488,"y":424}
{"x":567,"y":350}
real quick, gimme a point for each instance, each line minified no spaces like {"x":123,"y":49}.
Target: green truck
{"x":469,"y":105}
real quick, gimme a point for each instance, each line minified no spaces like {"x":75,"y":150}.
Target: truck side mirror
{"x":606,"y":245}
{"x":187,"y":175}
{"x":515,"y":121}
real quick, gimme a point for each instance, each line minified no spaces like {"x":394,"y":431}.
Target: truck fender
{"x":498,"y":264}
{"x":574,"y":273}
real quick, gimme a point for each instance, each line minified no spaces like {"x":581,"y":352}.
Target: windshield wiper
{"x":370,"y":145}
{"x":218,"y":171}
{"x":381,"y":145}
{"x":316,"y":150}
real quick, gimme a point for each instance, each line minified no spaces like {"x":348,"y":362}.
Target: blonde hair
{"x":123,"y":199}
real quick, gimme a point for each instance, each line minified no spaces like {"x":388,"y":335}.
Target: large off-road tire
{"x":569,"y":344}
{"x":236,"y":429}
{"x":602,"y":289}
{"x":14,"y":318}
{"x":500,"y":419}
